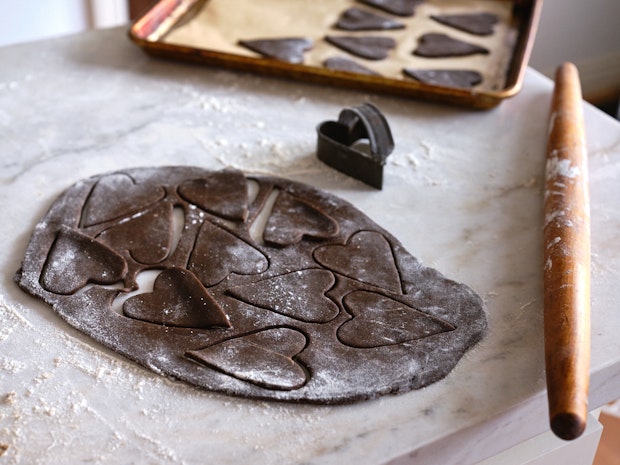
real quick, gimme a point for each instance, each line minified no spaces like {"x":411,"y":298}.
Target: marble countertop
{"x":462,"y":191}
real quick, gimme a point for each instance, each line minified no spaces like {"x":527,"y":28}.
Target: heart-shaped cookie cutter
{"x":336,"y":145}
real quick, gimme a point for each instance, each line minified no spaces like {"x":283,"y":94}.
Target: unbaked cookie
{"x":251,"y":286}
{"x":435,"y":45}
{"x":481,"y":24}
{"x":290,"y":49}
{"x":461,"y":78}
{"x":369,"y":47}
{"x":344,"y":64}
{"x":395,"y":7}
{"x":355,"y":19}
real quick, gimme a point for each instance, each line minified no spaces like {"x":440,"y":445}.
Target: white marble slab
{"x":463,"y":192}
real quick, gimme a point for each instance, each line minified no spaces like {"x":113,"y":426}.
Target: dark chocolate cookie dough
{"x":264,"y":288}
{"x":435,"y":45}
{"x":350,"y":66}
{"x":290,"y":49}
{"x":369,"y":47}
{"x":461,"y":78}
{"x":355,"y":19}
{"x":395,"y":7}
{"x":481,"y":24}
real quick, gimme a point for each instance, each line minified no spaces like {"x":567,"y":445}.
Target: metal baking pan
{"x":204,"y":31}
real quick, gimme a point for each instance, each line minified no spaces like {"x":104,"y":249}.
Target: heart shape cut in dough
{"x":156,"y":224}
{"x":292,"y":218}
{"x":381,"y":321}
{"x":299,"y":295}
{"x":367,"y":257}
{"x":75,"y":260}
{"x":264,"y":358}
{"x":396,"y":7}
{"x":178,"y":299}
{"x":434,"y":45}
{"x":290,"y":50}
{"x":117,"y":195}
{"x":461,"y":78}
{"x":475,"y":23}
{"x":369,"y":47}
{"x":223,"y":193}
{"x":356,"y":19}
{"x":218,"y":253}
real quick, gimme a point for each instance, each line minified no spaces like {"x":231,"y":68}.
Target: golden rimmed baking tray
{"x":204,"y":31}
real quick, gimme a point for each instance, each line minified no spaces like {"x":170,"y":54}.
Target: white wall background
{"x":586,"y":32}
{"x":27,"y":20}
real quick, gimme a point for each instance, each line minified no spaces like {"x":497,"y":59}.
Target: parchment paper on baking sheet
{"x":218,"y":25}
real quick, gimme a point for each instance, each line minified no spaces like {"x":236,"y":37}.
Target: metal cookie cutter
{"x":336,"y":145}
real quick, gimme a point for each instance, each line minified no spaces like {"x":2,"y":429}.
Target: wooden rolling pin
{"x":567,"y":259}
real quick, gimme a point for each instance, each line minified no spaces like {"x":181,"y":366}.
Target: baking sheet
{"x":209,"y":31}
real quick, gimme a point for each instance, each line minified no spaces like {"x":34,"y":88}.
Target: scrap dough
{"x":266,"y":288}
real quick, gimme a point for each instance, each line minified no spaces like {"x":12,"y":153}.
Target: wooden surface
{"x":567,"y":259}
{"x":608,"y":452}
{"x":138,"y":7}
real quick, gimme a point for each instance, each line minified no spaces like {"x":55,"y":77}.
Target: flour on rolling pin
{"x":559,"y":172}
